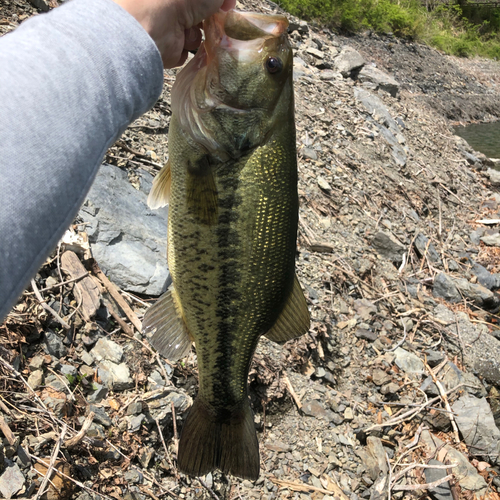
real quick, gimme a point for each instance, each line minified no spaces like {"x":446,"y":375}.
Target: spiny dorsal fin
{"x":160,"y":192}
{"x":294,"y":320}
{"x":170,"y":334}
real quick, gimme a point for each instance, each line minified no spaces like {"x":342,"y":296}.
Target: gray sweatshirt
{"x":70,"y":83}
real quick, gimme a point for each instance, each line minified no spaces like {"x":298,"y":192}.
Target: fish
{"x":231,"y":188}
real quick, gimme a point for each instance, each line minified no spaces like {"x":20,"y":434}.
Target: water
{"x":483,"y":137}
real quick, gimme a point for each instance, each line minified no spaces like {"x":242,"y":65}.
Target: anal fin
{"x":170,"y":334}
{"x":160,"y":192}
{"x":294,"y":320}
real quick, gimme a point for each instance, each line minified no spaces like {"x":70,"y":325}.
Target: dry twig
{"x":41,"y":490}
{"x":47,"y":307}
{"x":113,"y":291}
{"x":81,"y":433}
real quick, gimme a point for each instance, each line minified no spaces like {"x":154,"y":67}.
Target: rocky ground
{"x":395,"y":390}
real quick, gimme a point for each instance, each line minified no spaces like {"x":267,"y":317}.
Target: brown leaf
{"x":60,"y":487}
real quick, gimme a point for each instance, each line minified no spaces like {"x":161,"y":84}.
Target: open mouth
{"x":238,"y":31}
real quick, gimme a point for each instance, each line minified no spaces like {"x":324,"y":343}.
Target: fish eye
{"x":274,"y":65}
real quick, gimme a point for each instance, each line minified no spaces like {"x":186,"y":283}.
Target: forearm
{"x":70,"y":83}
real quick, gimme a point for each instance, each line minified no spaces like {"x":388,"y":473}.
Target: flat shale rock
{"x":106,"y":349}
{"x":465,"y":472}
{"x":127,"y":239}
{"x":349,"y":60}
{"x":11,"y":481}
{"x":388,"y":246}
{"x":477,"y":426}
{"x":443,"y":491}
{"x":379,"y":78}
{"x":482,"y":355}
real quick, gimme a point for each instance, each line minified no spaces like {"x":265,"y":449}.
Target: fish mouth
{"x":241,"y":33}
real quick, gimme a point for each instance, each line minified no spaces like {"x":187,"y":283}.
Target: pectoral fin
{"x":160,"y":192}
{"x":170,"y":334}
{"x":201,"y":191}
{"x":294,"y":320}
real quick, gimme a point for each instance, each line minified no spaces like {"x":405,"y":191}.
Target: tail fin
{"x":211,"y":442}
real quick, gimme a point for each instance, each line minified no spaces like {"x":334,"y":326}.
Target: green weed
{"x":460,"y":30}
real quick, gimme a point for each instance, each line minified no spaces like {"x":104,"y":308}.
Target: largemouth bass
{"x":231,"y":186}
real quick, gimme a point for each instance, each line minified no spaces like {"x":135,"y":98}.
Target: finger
{"x":228,"y":5}
{"x":192,"y":38}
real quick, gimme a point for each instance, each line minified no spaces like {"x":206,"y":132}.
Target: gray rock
{"x":477,"y":426}
{"x":309,"y":153}
{"x":465,"y":472}
{"x":133,"y":476}
{"x":315,"y":53}
{"x":36,"y":362}
{"x":424,"y":247}
{"x":135,"y":422}
{"x":54,"y":345}
{"x":348,"y":61}
{"x":492,"y":240}
{"x":373,"y":457}
{"x":362,"y":333}
{"x":482,"y":355}
{"x":386,"y":125}
{"x":445,"y":288}
{"x":408,"y":362}
{"x":101,"y":417}
{"x":377,"y":110}
{"x":160,"y":405}
{"x":314,"y":408}
{"x":323,"y":184}
{"x":134,"y":408}
{"x":365,"y":308}
{"x":488,"y":280}
{"x":68,"y":370}
{"x":35,"y":380}
{"x":389,"y":389}
{"x":479,"y":294}
{"x":429,"y":387}
{"x":127,"y":238}
{"x":155,"y":380}
{"x":388,"y":246}
{"x":100,"y":392}
{"x":475,"y":237}
{"x":106,"y":349}
{"x":329,"y":74}
{"x":55,"y":383}
{"x":494,"y":176}
{"x":379,"y":79}
{"x":443,"y":491}
{"x":87,"y":358}
{"x":380,"y":377}
{"x":433,"y":358}
{"x":115,"y":376}
{"x":11,"y":481}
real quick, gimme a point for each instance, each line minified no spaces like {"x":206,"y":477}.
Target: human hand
{"x":174,"y":25}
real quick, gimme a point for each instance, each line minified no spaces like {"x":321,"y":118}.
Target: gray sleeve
{"x":70,"y":83}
